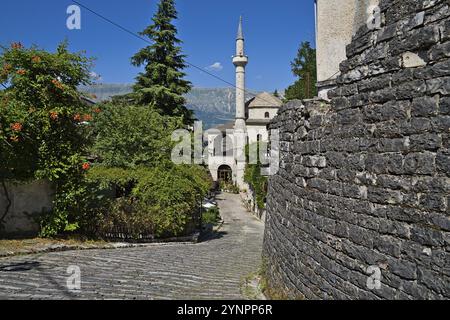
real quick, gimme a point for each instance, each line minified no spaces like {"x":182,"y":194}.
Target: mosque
{"x":226,"y":160}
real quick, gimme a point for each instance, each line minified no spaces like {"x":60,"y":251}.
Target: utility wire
{"x":147,"y":41}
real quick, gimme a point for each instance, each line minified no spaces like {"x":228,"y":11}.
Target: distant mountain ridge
{"x":213,"y":106}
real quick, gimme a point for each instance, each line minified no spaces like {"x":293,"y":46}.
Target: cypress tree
{"x":162,"y":83}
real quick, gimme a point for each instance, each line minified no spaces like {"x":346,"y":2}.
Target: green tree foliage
{"x":42,"y":130}
{"x":153,"y":195}
{"x":304,"y":67}
{"x":162,"y":83}
{"x":256,"y":181}
{"x":133,"y":136}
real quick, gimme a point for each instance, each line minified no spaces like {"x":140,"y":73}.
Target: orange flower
{"x":77,"y":117}
{"x":87,"y":117}
{"x":86,"y":166}
{"x":14,"y":139}
{"x":16,"y":45}
{"x":57,"y":84}
{"x":21,"y":72}
{"x":54,"y":115}
{"x":7,"y":67}
{"x":36,"y":59}
{"x":17,"y":127}
{"x":97,"y":110}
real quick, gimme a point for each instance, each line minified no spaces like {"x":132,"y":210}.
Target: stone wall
{"x":365,"y":180}
{"x":28,"y":202}
{"x":249,"y":201}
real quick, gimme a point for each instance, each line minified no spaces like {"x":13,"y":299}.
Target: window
{"x":267,"y":115}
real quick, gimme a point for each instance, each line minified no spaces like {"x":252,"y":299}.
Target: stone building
{"x":227,"y":142}
{"x":360,"y":206}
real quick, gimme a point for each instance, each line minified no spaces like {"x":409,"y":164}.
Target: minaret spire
{"x":240,"y":34}
{"x":240,"y":61}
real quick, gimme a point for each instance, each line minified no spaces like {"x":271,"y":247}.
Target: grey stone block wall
{"x":28,"y":202}
{"x":365,"y":180}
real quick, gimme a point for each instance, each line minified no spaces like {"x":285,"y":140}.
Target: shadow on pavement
{"x":18,"y":267}
{"x":212,"y":236}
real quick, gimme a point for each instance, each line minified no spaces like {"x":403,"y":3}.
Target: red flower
{"x":77,"y":117}
{"x":54,"y":115}
{"x":87,"y":117}
{"x":21,"y":72}
{"x":17,"y":127}
{"x":86,"y":166}
{"x":97,"y":110}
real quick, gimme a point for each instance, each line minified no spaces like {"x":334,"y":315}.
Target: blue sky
{"x":273,"y":31}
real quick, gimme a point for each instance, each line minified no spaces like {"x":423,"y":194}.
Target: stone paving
{"x":212,"y":269}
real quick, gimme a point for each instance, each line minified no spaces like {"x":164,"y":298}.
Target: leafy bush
{"x":229,"y":187}
{"x":171,"y":196}
{"x":211,"y":216}
{"x":42,"y":130}
{"x":256,"y":181}
{"x":161,"y":200}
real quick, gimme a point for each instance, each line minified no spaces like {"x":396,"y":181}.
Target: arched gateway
{"x":225,"y":174}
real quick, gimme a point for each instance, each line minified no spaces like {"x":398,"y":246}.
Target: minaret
{"x":240,"y":61}
{"x":240,"y":130}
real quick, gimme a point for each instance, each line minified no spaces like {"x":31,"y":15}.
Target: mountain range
{"x":213,"y":106}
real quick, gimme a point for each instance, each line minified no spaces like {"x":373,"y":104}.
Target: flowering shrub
{"x":40,"y":137}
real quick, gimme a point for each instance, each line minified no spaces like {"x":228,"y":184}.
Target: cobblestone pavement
{"x":212,"y":269}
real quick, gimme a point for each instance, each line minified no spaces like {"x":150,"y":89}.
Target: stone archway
{"x":225,"y":174}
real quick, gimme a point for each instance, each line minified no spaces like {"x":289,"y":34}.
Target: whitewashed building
{"x":227,"y":142}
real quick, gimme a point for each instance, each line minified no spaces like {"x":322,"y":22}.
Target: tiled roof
{"x":264,"y":99}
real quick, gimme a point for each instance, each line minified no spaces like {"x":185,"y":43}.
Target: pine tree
{"x":162,"y":84}
{"x":276,"y":94}
{"x":304,"y":67}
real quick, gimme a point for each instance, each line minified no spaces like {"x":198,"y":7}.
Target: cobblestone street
{"x":212,"y":269}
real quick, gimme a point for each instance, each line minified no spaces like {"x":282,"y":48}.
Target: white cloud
{"x":217,"y":66}
{"x":96,"y":76}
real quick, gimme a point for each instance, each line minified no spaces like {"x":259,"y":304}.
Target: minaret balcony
{"x":240,"y":61}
